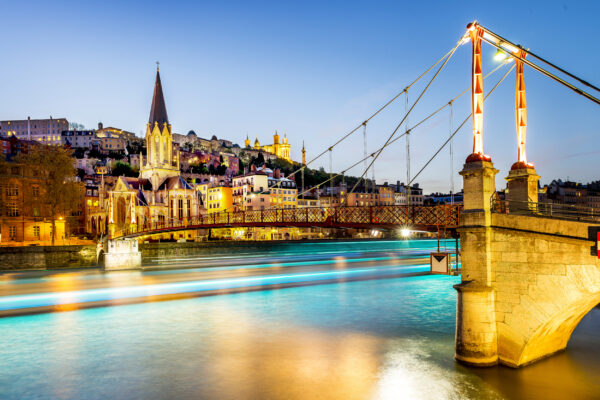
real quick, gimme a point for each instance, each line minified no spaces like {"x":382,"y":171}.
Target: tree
{"x":123,"y":169}
{"x":260,"y":159}
{"x":60,"y":192}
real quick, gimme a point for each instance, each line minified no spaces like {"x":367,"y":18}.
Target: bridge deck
{"x":428,"y":218}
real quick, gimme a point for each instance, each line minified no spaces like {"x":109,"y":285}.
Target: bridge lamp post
{"x":405,"y":233}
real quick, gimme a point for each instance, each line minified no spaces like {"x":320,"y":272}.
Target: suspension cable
{"x":502,"y":40}
{"x":450,"y":54}
{"x":547,"y":73}
{"x":365,"y":143}
{"x":364,"y":124}
{"x":418,"y":124}
{"x":445,"y":56}
{"x":385,"y":105}
{"x":451,"y":118}
{"x":407,"y":132}
{"x":331,"y":172}
{"x":461,"y":125}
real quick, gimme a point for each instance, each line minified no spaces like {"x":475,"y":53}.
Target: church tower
{"x":303,"y":154}
{"x":247,"y":142}
{"x":161,"y":162}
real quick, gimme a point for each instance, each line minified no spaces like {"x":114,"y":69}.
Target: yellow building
{"x":283,"y":197}
{"x":281,"y":150}
{"x":219,"y":199}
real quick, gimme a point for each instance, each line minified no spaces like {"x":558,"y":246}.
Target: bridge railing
{"x":549,"y":210}
{"x":432,"y":216}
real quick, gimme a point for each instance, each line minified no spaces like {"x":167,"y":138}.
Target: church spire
{"x":158,"y":111}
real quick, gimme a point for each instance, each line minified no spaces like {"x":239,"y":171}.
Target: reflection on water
{"x":383,"y":339}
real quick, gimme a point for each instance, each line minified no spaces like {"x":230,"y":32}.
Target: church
{"x":159,"y":195}
{"x":281,"y":150}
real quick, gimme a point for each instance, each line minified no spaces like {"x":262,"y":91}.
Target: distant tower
{"x":256,"y":144}
{"x":303,"y":154}
{"x":161,"y":162}
{"x":276,"y":138}
{"x":247,"y":141}
{"x":285,"y":139}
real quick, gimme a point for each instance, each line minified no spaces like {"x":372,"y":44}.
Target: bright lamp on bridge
{"x":500,"y":55}
{"x":405,"y":232}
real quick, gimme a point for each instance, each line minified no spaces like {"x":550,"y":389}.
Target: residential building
{"x":115,"y":132}
{"x":23,"y":218}
{"x":80,"y":139}
{"x":47,"y":131}
{"x":306,"y":201}
{"x":218,"y":199}
{"x":404,"y":195}
{"x":111,"y":142}
{"x":251,"y":191}
{"x":283,"y":191}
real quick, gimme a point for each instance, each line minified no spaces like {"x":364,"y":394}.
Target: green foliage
{"x":123,"y":169}
{"x":199,"y":168}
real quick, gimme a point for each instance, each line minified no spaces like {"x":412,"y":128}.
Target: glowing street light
{"x":500,"y":55}
{"x":405,"y":233}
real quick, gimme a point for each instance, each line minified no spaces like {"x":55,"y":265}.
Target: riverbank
{"x":84,"y":256}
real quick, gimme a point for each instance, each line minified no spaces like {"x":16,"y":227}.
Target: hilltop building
{"x":47,"y":131}
{"x":281,"y":150}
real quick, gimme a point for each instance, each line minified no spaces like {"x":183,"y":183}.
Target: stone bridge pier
{"x":527,"y":280}
{"x":122,"y":254}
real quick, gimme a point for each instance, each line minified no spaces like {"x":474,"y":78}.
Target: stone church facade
{"x":159,"y":195}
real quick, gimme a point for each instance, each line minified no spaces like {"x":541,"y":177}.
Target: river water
{"x":388,"y":337}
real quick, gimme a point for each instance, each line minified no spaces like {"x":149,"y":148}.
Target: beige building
{"x":46,"y":131}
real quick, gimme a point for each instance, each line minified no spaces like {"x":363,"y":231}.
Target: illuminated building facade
{"x":280,"y":149}
{"x":159,"y":195}
{"x":22,"y":217}
{"x":218,"y":199}
{"x":47,"y":131}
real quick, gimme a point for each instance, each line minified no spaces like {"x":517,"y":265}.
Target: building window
{"x":35,"y":191}
{"x":36,"y":231}
{"x":12,"y":232}
{"x":12,"y":210}
{"x":36,"y":211}
{"x":189,"y":208}
{"x":12,"y":190}
{"x":180,"y":208}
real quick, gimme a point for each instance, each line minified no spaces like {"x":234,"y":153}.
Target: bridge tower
{"x":476,"y":335}
{"x":522,"y":178}
{"x":528,"y":278}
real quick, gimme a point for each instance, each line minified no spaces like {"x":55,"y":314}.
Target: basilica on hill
{"x":159,"y":194}
{"x":281,"y":150}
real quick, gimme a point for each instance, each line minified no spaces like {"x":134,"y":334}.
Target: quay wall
{"x":47,"y":257}
{"x":84,"y":256}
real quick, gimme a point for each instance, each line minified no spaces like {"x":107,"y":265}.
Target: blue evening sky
{"x":312,"y":69}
